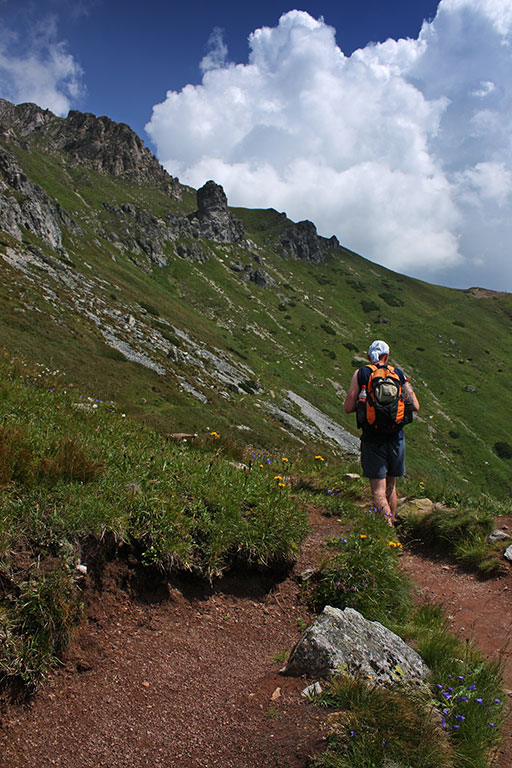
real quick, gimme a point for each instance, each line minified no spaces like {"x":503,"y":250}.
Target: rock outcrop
{"x":84,"y":139}
{"x":301,"y":241}
{"x":345,"y":640}
{"x":24,"y":204}
{"x":212,"y":217}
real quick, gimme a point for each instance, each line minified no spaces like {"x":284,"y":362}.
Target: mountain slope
{"x":196,"y":317}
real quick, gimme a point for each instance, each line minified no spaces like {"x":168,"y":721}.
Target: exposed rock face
{"x":24,"y":204}
{"x":97,"y":142}
{"x":214,"y":220}
{"x":346,"y":640}
{"x":302,"y":242}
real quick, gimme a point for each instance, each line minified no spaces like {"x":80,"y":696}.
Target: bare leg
{"x":380,"y":497}
{"x":391,"y":497}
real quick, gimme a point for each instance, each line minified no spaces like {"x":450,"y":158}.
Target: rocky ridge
{"x":43,"y":242}
{"x":84,"y":139}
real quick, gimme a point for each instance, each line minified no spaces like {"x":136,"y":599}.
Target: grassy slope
{"x":298,"y":334}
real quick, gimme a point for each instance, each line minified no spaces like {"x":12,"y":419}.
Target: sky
{"x":386,"y":124}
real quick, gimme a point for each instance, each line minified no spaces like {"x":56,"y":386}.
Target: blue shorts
{"x":383,"y":459}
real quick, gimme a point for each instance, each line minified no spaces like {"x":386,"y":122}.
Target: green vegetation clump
{"x":73,"y":469}
{"x":360,"y":572}
{"x":391,"y":299}
{"x":376,"y":726}
{"x":461,"y":531}
{"x":503,"y":449}
{"x":368,"y":305}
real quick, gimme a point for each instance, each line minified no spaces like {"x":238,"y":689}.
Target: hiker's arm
{"x":352,"y":395}
{"x":410,"y":396}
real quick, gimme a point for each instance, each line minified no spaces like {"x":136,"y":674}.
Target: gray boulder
{"x":345,"y":640}
{"x":213,"y":218}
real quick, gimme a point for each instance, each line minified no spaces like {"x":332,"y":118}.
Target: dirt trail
{"x":190,"y":678}
{"x":479,"y":610}
{"x":187,"y":679}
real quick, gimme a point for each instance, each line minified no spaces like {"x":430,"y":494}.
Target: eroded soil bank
{"x":187,"y":676}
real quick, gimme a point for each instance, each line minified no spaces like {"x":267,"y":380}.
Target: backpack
{"x":385,"y":411}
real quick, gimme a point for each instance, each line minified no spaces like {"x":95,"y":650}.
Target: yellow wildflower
{"x":277,"y":477}
{"x":284,"y":459}
{"x":319,"y":458}
{"x":362,"y":535}
{"x":281,"y":485}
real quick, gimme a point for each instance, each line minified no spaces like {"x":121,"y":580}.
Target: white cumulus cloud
{"x":402,"y":149}
{"x":39,"y":69}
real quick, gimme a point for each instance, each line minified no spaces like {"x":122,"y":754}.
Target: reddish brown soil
{"x":189,"y":677}
{"x":479,"y":610}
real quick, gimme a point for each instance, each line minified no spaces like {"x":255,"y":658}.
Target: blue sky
{"x":387,"y":124}
{"x":132,"y":53}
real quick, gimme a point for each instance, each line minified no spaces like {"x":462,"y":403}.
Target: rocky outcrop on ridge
{"x":301,"y":241}
{"x":212,"y":217}
{"x":84,"y":139}
{"x":145,"y":234}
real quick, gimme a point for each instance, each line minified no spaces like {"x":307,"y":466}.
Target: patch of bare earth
{"x":478,"y":610}
{"x":187,"y":676}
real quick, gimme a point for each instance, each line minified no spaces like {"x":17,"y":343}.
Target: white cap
{"x":376,"y":349}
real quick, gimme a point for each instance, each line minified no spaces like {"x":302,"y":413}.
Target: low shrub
{"x":377,"y":726}
{"x":361,"y":572}
{"x":503,"y":450}
{"x":391,"y":299}
{"x":69,"y":461}
{"x":368,"y":305}
{"x":17,"y":463}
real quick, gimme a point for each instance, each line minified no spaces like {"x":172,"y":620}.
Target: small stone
{"x":315,"y":689}
{"x":497,"y":535}
{"x":145,"y":684}
{"x":82,"y":569}
{"x":508,"y":553}
{"x":307,"y":574}
{"x":351,"y":476}
{"x":276,"y":695}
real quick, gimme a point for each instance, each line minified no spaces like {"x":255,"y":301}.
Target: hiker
{"x":382,"y":439}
